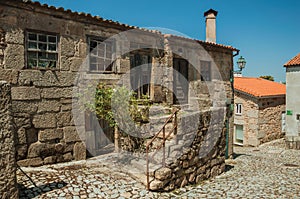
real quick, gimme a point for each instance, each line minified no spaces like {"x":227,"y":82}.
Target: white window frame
{"x":236,"y":140}
{"x":238,"y":108}
{"x":107,"y":64}
{"x":40,"y":53}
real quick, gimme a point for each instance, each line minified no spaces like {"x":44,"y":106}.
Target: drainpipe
{"x":231,"y":109}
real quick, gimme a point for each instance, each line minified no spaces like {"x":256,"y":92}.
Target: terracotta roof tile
{"x":259,"y":87}
{"x":100,"y":19}
{"x":293,"y":62}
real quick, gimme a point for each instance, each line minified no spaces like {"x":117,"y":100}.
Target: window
{"x":205,"y":71}
{"x":239,"y":134}
{"x":140,"y":74}
{"x":238,"y":109}
{"x":41,"y":50}
{"x":101,"y":55}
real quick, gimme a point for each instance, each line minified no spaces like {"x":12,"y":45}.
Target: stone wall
{"x":202,"y":149}
{"x":8,"y":181}
{"x":270,"y":119}
{"x":261,"y":118}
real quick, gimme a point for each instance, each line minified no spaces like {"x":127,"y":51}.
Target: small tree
{"x":267,"y":77}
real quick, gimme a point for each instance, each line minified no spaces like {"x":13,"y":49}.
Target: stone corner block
{"x":79,"y":151}
{"x":71,"y":134}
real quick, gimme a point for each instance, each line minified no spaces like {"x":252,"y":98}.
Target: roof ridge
{"x":96,"y":17}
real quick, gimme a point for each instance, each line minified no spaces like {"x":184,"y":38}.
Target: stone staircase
{"x":175,"y":145}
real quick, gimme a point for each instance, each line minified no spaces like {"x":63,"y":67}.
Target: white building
{"x":293,"y":103}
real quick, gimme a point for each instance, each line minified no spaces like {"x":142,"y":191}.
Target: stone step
{"x":159,"y":110}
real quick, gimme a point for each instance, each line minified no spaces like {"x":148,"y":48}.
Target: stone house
{"x":49,"y":55}
{"x":258,"y":111}
{"x":292,"y":103}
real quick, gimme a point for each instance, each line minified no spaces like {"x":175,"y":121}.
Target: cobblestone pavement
{"x":268,"y":171}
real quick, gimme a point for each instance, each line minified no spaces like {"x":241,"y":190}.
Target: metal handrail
{"x":174,"y":114}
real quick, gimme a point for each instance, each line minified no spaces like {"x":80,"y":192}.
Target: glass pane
{"x":109,"y":68}
{"x":101,"y":50}
{"x":93,"y":44}
{"x":43,"y":38}
{"x":52,"y":64}
{"x":239,"y":132}
{"x":32,"y":63}
{"x":93,"y":60}
{"x":32,"y":45}
{"x":32,"y":55}
{"x":42,"y":55}
{"x":52,"y":47}
{"x":108,"y":55}
{"x":52,"y":56}
{"x":93,"y":67}
{"x":108,"y":65}
{"x":32,"y":36}
{"x":100,"y":63}
{"x":42,"y":46}
{"x":100,"y":67}
{"x":52,"y":39}
{"x":43,"y":64}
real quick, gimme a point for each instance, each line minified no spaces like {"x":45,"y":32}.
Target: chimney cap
{"x":211,"y":11}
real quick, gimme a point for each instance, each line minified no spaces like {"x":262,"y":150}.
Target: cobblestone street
{"x":268,"y":171}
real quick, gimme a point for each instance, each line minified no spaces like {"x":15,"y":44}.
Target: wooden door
{"x":100,"y":136}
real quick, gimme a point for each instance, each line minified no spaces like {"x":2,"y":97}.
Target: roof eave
{"x":260,"y":96}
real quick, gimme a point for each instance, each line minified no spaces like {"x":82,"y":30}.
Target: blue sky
{"x":266,"y":32}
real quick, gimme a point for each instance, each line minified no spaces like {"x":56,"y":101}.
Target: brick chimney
{"x":210,"y":22}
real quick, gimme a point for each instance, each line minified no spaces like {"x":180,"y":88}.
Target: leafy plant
{"x":124,"y":103}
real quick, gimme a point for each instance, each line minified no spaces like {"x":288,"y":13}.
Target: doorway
{"x":180,"y":81}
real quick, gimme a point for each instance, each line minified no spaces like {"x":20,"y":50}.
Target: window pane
{"x":32,"y":55}
{"x":101,"y":62}
{"x":100,"y":66}
{"x":93,"y":44}
{"x":52,"y":64}
{"x":109,"y":68}
{"x":42,"y":55}
{"x":43,"y":64}
{"x":93,"y":67}
{"x":101,"y":50}
{"x":239,"y":132}
{"x":93,"y":60}
{"x":32,"y":36}
{"x":108,"y":54}
{"x":108,"y":65}
{"x":32,"y":63}
{"x":32,"y":45}
{"x":52,"y":47}
{"x":42,"y":46}
{"x":43,"y":38}
{"x":52,"y":56}
{"x":52,"y":39}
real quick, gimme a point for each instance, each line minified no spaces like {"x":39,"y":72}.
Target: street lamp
{"x":241,"y":62}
